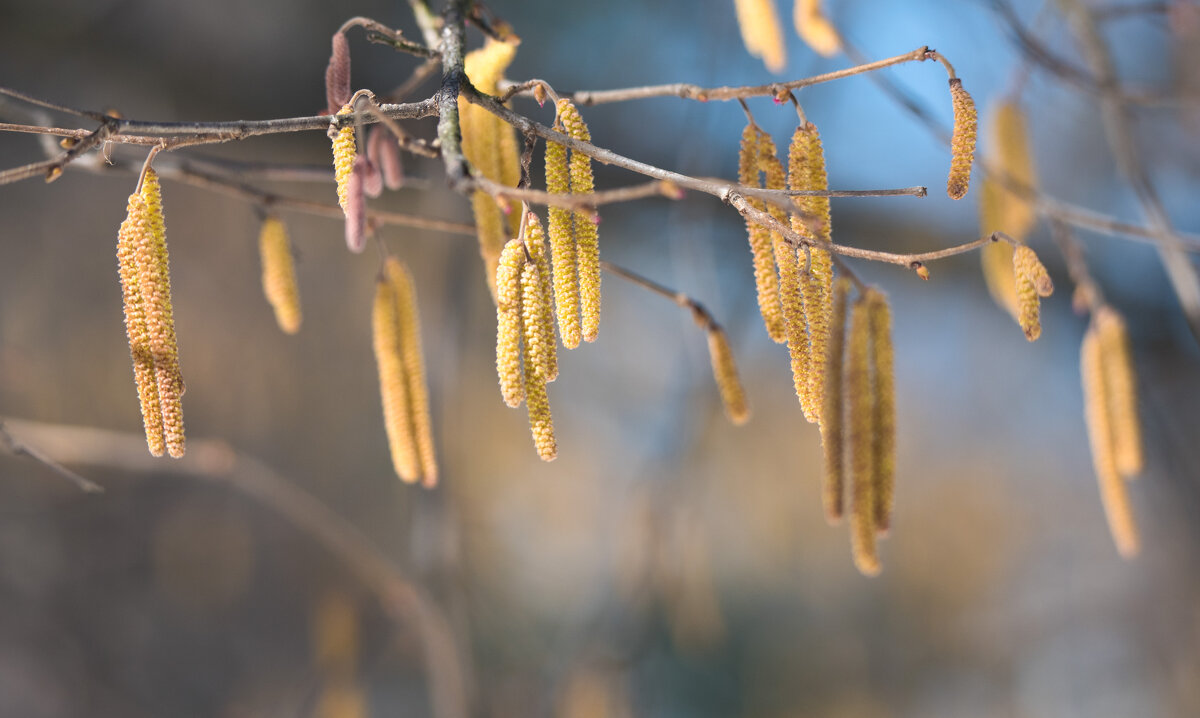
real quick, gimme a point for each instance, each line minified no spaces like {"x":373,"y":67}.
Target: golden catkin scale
{"x":135,"y":325}
{"x":833,"y":436}
{"x":1121,"y":391}
{"x":962,"y":141}
{"x":725,"y":372}
{"x":766,"y":281}
{"x":761,"y":32}
{"x":535,"y":243}
{"x":279,"y":274}
{"x":1032,"y":282}
{"x":344,"y":152}
{"x":1097,"y":411}
{"x":414,"y":367}
{"x":860,"y":405}
{"x":587,"y":233}
{"x":561,"y":229}
{"x":815,"y":29}
{"x":393,"y":387}
{"x":508,"y":323}
{"x":884,"y":444}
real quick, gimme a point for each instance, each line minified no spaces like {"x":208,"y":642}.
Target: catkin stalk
{"x":833,"y":437}
{"x":860,"y":403}
{"x":279,"y":274}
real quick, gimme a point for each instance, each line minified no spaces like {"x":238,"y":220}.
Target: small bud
{"x":921,"y":270}
{"x":53,"y":173}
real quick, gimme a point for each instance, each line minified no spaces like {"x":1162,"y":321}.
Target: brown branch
{"x":700,"y":314}
{"x":16,"y":447}
{"x":406,"y":603}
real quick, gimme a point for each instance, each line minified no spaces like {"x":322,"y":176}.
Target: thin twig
{"x":1071,"y":248}
{"x":16,"y":447}
{"x":700,"y":314}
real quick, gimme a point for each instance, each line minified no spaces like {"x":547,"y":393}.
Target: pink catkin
{"x":372,"y":179}
{"x":385,"y":154}
{"x":337,"y":74}
{"x":356,"y":206}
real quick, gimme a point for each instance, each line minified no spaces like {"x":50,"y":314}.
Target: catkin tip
{"x":725,"y":372}
{"x":1032,"y":282}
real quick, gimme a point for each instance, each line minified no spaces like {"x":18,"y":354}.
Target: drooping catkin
{"x":1032,"y":282}
{"x":279,"y":274}
{"x":135,"y":324}
{"x":761,"y":32}
{"x":384,"y":151}
{"x":561,"y":228}
{"x":725,"y":372}
{"x":962,"y":142}
{"x":587,"y":233}
{"x":1097,"y":410}
{"x":815,"y":29}
{"x":409,"y":333}
{"x":860,"y":404}
{"x":766,"y":282}
{"x":883,"y":461}
{"x":533,"y":331}
{"x":508,"y":322}
{"x":541,"y":423}
{"x":806,"y":171}
{"x":344,"y":151}
{"x":546,"y":355}
{"x":154,"y":283}
{"x":1121,"y":391}
{"x":833,"y":437}
{"x":1001,"y":208}
{"x":393,"y":386}
{"x":337,"y":74}
{"x":997,"y":260}
{"x":356,"y":206}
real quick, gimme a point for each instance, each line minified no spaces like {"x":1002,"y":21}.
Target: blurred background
{"x":667,"y":563}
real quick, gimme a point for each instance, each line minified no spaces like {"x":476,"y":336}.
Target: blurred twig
{"x":16,"y":447}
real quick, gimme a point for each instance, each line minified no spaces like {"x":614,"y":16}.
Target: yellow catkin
{"x":335,"y":632}
{"x":883,"y":462}
{"x":1121,"y":390}
{"x":541,"y":424}
{"x":154,"y":283}
{"x":962,"y":142}
{"x":533,"y":332}
{"x":1010,"y":141}
{"x":135,"y":325}
{"x":508,"y":322}
{"x":561,"y":228}
{"x":587,"y":233}
{"x":833,"y":437}
{"x":409,"y":332}
{"x":341,"y":698}
{"x":484,"y":145}
{"x":535,"y":242}
{"x":766,"y":282}
{"x":815,"y":29}
{"x":761,"y":32}
{"x":1032,"y":282}
{"x":860,"y":405}
{"x":393,"y":387}
{"x":344,"y":152}
{"x":806,"y":171}
{"x":279,"y":274}
{"x":997,"y":258}
{"x":725,"y":372}
{"x":1113,"y":492}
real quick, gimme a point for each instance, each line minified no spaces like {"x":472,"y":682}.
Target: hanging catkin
{"x":761,"y":32}
{"x":561,"y":228}
{"x":135,"y":324}
{"x":508,"y":322}
{"x":766,"y":281}
{"x":279,"y":274}
{"x":587,"y":233}
{"x":860,"y":406}
{"x":815,"y":29}
{"x":545,"y":354}
{"x":393,"y":386}
{"x":154,"y":283}
{"x":962,"y":142}
{"x":806,"y":171}
{"x":1121,"y":391}
{"x":1032,"y":282}
{"x":413,"y":361}
{"x":883,"y":462}
{"x":833,"y":437}
{"x":344,"y":152}
{"x":725,"y":372}
{"x":1098,"y":412}
{"x":1003,"y":209}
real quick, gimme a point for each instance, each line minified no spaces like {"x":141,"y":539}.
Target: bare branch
{"x":16,"y":447}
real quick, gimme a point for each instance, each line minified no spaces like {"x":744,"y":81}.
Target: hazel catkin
{"x":587,"y":232}
{"x":962,"y":142}
{"x":413,"y":362}
{"x":1121,"y":391}
{"x":766,"y":281}
{"x":725,"y":373}
{"x":1032,"y":282}
{"x":860,"y":413}
{"x":279,"y":274}
{"x":393,"y":386}
{"x":883,"y":446}
{"x":761,"y":32}
{"x":833,"y":436}
{"x":508,"y":322}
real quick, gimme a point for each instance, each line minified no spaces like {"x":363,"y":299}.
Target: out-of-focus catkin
{"x":725,"y":372}
{"x":1032,"y":282}
{"x":135,"y":324}
{"x":766,"y":281}
{"x":962,"y":142}
{"x":833,"y":437}
{"x":1121,"y":391}
{"x":1003,"y":209}
{"x":883,"y":462}
{"x":508,"y":323}
{"x":815,"y":29}
{"x":393,"y":386}
{"x":1098,"y":412}
{"x":761,"y":32}
{"x":860,"y":405}
{"x":279,"y":274}
{"x":561,"y":228}
{"x":154,"y":283}
{"x":409,"y":332}
{"x":587,"y":232}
